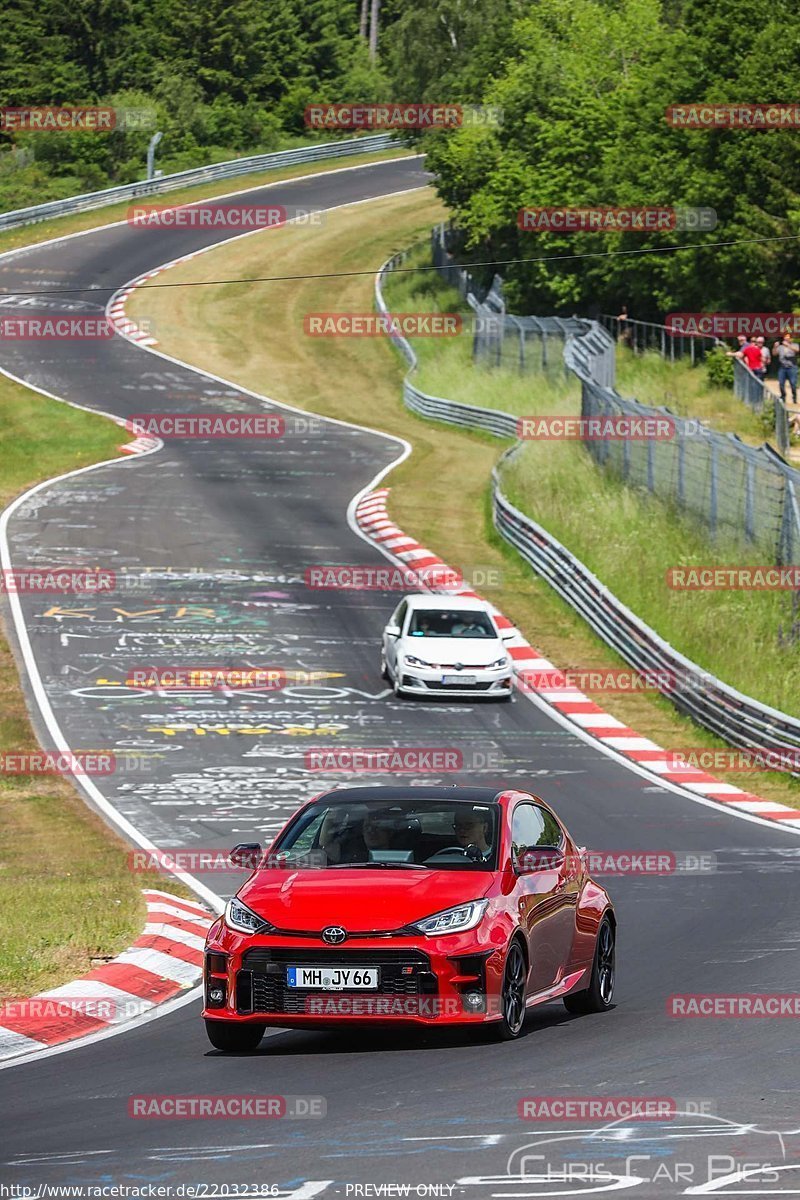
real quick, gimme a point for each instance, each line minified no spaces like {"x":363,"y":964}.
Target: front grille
{"x":462,"y":687}
{"x":261,"y":982}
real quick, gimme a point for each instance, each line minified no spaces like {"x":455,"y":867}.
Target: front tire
{"x":228,"y":1035}
{"x":600,"y":992}
{"x":512,"y":996}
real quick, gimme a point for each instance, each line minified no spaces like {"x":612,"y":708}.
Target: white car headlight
{"x":452,"y":920}
{"x":413,"y":661}
{"x":503,"y":661}
{"x":241,"y":918}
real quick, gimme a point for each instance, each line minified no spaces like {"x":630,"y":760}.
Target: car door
{"x":547,"y":894}
{"x":390,"y":644}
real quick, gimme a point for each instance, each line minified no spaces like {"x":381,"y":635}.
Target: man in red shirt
{"x":750,"y":353}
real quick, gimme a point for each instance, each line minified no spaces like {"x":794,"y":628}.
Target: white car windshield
{"x":453,"y":623}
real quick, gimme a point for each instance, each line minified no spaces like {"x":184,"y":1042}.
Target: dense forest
{"x":583,"y":86}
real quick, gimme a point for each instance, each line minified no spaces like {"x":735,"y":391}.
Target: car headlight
{"x":241,"y":918}
{"x":503,"y":661}
{"x":452,"y":920}
{"x":412,"y":661}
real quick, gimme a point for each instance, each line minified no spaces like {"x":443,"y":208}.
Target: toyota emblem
{"x":334,"y":935}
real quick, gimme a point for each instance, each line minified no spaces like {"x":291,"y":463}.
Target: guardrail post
{"x":790,"y":524}
{"x":782,"y":435}
{"x":681,"y":488}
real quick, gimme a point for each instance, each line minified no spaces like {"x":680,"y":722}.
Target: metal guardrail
{"x":736,"y":718}
{"x":224,"y":170}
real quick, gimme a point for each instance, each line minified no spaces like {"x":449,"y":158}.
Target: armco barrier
{"x":734,"y":717}
{"x":224,"y":170}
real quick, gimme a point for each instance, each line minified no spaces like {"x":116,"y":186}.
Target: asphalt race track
{"x":210,"y":541}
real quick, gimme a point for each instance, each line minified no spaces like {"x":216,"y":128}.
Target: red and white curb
{"x":142,"y":334}
{"x":141,"y":445}
{"x":374,"y":521}
{"x":165,"y":960}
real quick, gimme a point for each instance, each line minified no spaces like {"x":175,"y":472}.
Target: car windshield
{"x":450,"y":623}
{"x":398,"y":834}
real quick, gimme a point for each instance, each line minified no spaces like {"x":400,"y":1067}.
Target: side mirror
{"x":508,"y":635}
{"x":540,"y":858}
{"x":246,"y":855}
{"x":392,"y":631}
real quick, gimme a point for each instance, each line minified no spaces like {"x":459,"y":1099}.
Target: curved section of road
{"x":210,"y":541}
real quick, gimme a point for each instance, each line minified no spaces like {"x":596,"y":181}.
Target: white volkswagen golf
{"x":446,"y":646}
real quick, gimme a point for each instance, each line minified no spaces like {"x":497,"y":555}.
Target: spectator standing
{"x":786,"y":352}
{"x":742,"y":342}
{"x":625,"y":333}
{"x":750,"y":355}
{"x":766,"y":357}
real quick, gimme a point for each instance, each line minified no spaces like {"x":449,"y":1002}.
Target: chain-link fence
{"x":737,"y":491}
{"x":500,"y":339}
{"x":645,"y":335}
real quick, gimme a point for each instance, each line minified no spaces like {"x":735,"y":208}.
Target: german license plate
{"x":463,"y":679}
{"x":333,"y":979}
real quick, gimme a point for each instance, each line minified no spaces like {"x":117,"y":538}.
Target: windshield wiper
{"x":395,"y":866}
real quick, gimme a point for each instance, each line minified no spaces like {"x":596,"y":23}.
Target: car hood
{"x":469,"y":651}
{"x":360,"y":899}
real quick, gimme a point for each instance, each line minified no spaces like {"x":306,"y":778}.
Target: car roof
{"x":446,"y":603}
{"x":387,"y":793}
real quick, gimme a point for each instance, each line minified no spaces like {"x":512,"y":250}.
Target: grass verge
{"x":253,"y":335}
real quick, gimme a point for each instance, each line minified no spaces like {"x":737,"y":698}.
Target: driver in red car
{"x":473,"y":829}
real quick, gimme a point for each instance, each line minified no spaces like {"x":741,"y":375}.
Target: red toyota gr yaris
{"x":398,"y":905}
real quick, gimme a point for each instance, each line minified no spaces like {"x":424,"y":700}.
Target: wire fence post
{"x":749,"y":483}
{"x":713,"y":489}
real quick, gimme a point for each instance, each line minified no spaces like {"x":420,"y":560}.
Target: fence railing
{"x":757,"y":396}
{"x":735,"y":717}
{"x":647,"y":335}
{"x":224,"y":170}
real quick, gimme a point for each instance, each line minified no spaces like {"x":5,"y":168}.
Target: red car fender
{"x":593,"y":904}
